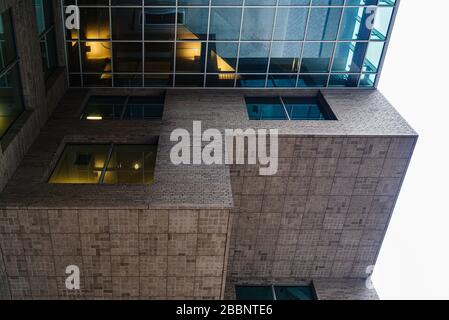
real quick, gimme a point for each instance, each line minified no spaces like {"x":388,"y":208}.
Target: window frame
{"x":43,"y":38}
{"x":126,"y":104}
{"x":14,"y":63}
{"x":273,"y":287}
{"x":109,"y":154}
{"x":322,"y":104}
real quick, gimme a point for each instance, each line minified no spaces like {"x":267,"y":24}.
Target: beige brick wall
{"x":164,"y":254}
{"x":323,"y":215}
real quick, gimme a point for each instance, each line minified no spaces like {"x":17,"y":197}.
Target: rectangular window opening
{"x":106,"y":164}
{"x":124,"y":108}
{"x":275,"y":292}
{"x":289,"y":108}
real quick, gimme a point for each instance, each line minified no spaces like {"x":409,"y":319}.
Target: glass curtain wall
{"x":228,"y":43}
{"x":11,"y":99}
{"x":46,"y":30}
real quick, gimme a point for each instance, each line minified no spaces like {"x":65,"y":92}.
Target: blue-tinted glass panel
{"x":313,"y":80}
{"x":144,"y":108}
{"x":281,"y":81}
{"x":294,"y":293}
{"x":290,"y":23}
{"x":373,"y":56}
{"x":225,"y":23}
{"x":254,"y":57}
{"x":382,"y":23}
{"x":194,"y":23}
{"x":251,"y":81}
{"x":254,"y":293}
{"x":323,"y":24}
{"x":265,"y":109}
{"x":285,"y":57}
{"x":348,"y":57}
{"x":344,"y":80}
{"x":355,"y":23}
{"x":316,"y":57}
{"x":258,"y":24}
{"x":304,"y":109}
{"x":222,"y":57}
{"x":217,"y":43}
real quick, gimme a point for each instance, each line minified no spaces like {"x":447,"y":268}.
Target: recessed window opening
{"x":289,"y":108}
{"x":106,"y":164}
{"x":124,"y":108}
{"x":275,"y":292}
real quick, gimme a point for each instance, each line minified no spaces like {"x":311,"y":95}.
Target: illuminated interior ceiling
{"x":308,"y":45}
{"x":91,"y":164}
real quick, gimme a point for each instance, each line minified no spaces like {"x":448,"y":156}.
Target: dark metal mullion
{"x":122,"y":116}
{"x":106,"y":164}
{"x":9,"y":67}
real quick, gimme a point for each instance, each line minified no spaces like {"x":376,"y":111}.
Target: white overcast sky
{"x":414,"y":260}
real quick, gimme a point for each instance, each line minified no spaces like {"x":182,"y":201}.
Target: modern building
{"x":86,"y":177}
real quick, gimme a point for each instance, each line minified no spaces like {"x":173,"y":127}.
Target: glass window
{"x":294,"y":293}
{"x":305,"y":109}
{"x":316,"y":57}
{"x":160,"y":23}
{"x":290,"y":23}
{"x":11,"y":99}
{"x":80,"y":164}
{"x":288,"y":108}
{"x":127,"y":57}
{"x":144,"y":108}
{"x":104,"y":108}
{"x":285,"y":57}
{"x":46,"y":29}
{"x":105,"y":164}
{"x":348,"y":56}
{"x":254,"y":293}
{"x":222,"y":57}
{"x":194,"y":23}
{"x":122,"y":107}
{"x":258,"y":24}
{"x":274,"y":293}
{"x":265,"y":109}
{"x":131,"y":165}
{"x":126,"y":23}
{"x":227,"y":43}
{"x":159,"y":57}
{"x":190,"y":57}
{"x":323,"y":24}
{"x":254,"y":57}
{"x":225,"y":23}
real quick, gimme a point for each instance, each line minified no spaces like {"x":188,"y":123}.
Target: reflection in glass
{"x":285,"y":57}
{"x":11,"y":102}
{"x":106,"y":164}
{"x":190,"y":57}
{"x":131,"y":164}
{"x":160,"y":23}
{"x":104,"y":108}
{"x":265,"y":109}
{"x":159,"y":57}
{"x":80,"y":164}
{"x":222,"y":57}
{"x":348,"y":56}
{"x":303,"y":109}
{"x":316,"y":57}
{"x":45,"y":23}
{"x":254,"y":57}
{"x":144,"y":108}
